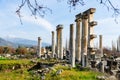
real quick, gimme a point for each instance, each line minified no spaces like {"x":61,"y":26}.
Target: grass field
{"x":23,"y":74}
{"x":72,"y":74}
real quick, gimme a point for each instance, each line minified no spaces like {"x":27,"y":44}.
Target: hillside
{"x":25,"y":42}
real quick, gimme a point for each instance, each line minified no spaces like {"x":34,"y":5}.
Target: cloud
{"x":109,"y":29}
{"x":39,"y":21}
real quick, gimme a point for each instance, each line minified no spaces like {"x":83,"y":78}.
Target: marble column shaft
{"x":84,"y":40}
{"x":78,"y":40}
{"x":100,"y":45}
{"x":53,"y":44}
{"x":72,"y":45}
{"x":39,"y":47}
{"x":59,"y":42}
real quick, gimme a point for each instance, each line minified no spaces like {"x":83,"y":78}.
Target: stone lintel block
{"x":84,"y":16}
{"x":91,"y":49}
{"x":90,"y":11}
{"x":39,"y":38}
{"x":93,"y":36}
{"x":78,"y":16}
{"x":60,"y":26}
{"x":93,"y":23}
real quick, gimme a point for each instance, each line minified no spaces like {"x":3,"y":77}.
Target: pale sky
{"x":10,"y":25}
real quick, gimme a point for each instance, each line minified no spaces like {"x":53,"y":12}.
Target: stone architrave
{"x":72,"y":45}
{"x":53,"y":44}
{"x":39,"y":47}
{"x":84,"y":39}
{"x":59,"y":42}
{"x":78,"y":38}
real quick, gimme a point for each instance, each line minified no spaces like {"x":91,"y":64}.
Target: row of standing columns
{"x":85,"y":36}
{"x":82,"y":48}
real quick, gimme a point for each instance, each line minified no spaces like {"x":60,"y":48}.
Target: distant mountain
{"x":3,"y":42}
{"x":25,"y":42}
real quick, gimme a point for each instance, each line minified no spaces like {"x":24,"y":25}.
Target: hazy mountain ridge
{"x":15,"y":42}
{"x":3,"y":42}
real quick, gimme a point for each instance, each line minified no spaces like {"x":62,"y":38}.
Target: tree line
{"x":19,"y":50}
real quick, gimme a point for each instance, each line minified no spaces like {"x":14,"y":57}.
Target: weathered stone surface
{"x":84,"y":40}
{"x":72,"y":46}
{"x":93,"y":36}
{"x":39,"y":47}
{"x":78,"y":40}
{"x":101,"y":78}
{"x":93,"y":23}
{"x":90,"y":11}
{"x":53,"y":44}
{"x":59,"y":42}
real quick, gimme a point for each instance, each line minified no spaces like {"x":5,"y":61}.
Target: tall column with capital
{"x":84,"y":39}
{"x":59,"y":42}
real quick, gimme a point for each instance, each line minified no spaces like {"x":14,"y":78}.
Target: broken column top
{"x":52,"y":31}
{"x":90,"y":11}
{"x":39,"y":38}
{"x":60,"y":26}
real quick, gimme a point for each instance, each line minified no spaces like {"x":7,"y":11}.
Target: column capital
{"x":84,"y":16}
{"x":60,"y":26}
{"x":52,"y":32}
{"x":78,"y":20}
{"x":39,"y":38}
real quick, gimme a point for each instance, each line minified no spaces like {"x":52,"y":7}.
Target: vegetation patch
{"x":72,"y":74}
{"x":14,"y":64}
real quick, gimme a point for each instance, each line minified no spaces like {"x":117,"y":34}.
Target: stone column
{"x":84,"y":39}
{"x":78,"y":38}
{"x":72,"y":45}
{"x":100,"y":45}
{"x":39,"y":47}
{"x":59,"y":42}
{"x":91,"y":36}
{"x":53,"y":44}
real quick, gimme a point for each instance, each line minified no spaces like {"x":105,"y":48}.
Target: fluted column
{"x":72,"y":45}
{"x":53,"y":44}
{"x":39,"y":47}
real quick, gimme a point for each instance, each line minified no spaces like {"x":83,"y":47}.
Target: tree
{"x":21,"y":50}
{"x":8,"y":50}
{"x":1,"y":49}
{"x":36,"y":8}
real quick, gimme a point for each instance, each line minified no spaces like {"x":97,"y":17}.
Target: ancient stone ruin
{"x":81,"y":49}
